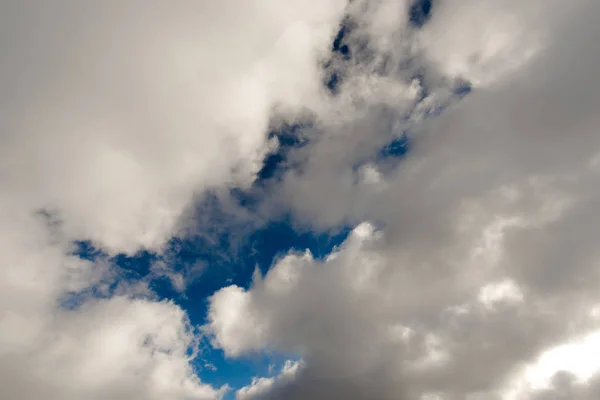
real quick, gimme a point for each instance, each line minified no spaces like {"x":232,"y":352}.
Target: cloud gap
{"x":420,"y":12}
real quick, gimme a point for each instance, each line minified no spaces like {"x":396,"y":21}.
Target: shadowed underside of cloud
{"x":142,"y":195}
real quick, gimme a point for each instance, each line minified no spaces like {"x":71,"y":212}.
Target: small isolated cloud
{"x":261,"y":386}
{"x":210,"y":367}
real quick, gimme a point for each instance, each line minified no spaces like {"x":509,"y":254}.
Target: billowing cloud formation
{"x":119,"y":347}
{"x":113,"y":116}
{"x":482,"y":281}
{"x":472,"y":268}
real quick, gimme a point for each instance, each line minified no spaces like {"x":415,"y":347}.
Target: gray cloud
{"x":486,"y":257}
{"x":479,"y":281}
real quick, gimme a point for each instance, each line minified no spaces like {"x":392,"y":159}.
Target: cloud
{"x":486,"y":256}
{"x":260,"y":386}
{"x":113,"y":118}
{"x":115,"y":115}
{"x":470,"y":272}
{"x":483,"y":41}
{"x":118,"y":348}
{"x":119,"y":344}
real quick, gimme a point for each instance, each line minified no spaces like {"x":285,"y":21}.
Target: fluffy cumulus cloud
{"x":113,"y":117}
{"x":115,"y":114}
{"x":471,"y":270}
{"x":476,"y":273}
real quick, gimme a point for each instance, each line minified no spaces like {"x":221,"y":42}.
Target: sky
{"x":302,"y":199}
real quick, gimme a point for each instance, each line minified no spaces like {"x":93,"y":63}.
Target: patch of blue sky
{"x":85,"y":250}
{"x":221,"y":264}
{"x":129,"y":269}
{"x":340,"y":51}
{"x":260,"y":250}
{"x":420,"y":12}
{"x":397,"y":147}
{"x":216,"y":369}
{"x":462,"y":88}
{"x":288,"y":137}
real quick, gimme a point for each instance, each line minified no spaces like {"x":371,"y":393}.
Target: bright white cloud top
{"x":472,"y":270}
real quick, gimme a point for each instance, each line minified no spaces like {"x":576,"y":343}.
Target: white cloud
{"x":116,"y":114}
{"x":234,"y":322}
{"x":119,"y":347}
{"x":481,"y":41}
{"x":260,"y":386}
{"x":113,"y":117}
{"x":577,"y":357}
{"x":503,"y":292}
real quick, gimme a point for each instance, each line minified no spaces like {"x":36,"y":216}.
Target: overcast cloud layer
{"x":472,"y":268}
